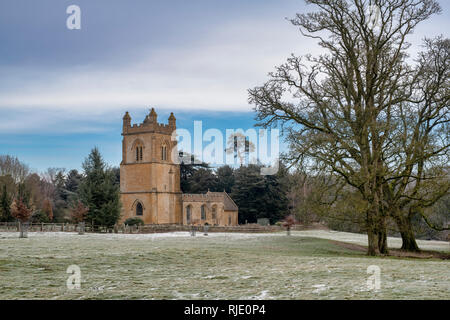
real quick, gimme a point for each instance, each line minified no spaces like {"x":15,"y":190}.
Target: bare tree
{"x":47,"y":209}
{"x":342,"y":109}
{"x":418,"y":156}
{"x":13,"y":167}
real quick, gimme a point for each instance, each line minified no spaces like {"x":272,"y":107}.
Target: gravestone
{"x":263,"y":222}
{"x":193,"y":230}
{"x":81,"y":227}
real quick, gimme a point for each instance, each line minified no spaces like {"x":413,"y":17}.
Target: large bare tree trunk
{"x":372,"y":249}
{"x":409,"y":242}
{"x":382,"y":237}
{"x":381,"y":224}
{"x":373,"y":243}
{"x":408,"y":238}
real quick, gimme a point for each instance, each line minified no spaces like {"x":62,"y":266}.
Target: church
{"x":150,"y":180}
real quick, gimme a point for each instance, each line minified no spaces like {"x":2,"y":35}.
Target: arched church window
{"x":188,"y":214}
{"x":203,"y":211}
{"x":139,"y":209}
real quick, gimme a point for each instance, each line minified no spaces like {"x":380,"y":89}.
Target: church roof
{"x":228,"y":203}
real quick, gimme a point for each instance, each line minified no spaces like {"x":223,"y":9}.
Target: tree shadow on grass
{"x":398,"y":253}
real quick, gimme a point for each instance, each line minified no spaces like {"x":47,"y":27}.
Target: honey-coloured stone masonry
{"x":150,"y":180}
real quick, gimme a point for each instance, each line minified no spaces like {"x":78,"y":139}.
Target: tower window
{"x":139,"y":153}
{"x":139,"y":209}
{"x":164,"y":153}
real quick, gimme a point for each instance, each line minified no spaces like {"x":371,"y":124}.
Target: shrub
{"x":39,"y":216}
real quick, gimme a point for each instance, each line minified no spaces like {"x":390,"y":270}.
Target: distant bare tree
{"x":419,"y":155}
{"x":52,"y":177}
{"x":12,"y":166}
{"x":240,"y":146}
{"x":47,"y":209}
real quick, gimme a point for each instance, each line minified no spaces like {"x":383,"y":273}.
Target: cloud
{"x":211,"y":70}
{"x":42,"y":121}
{"x":212,"y":73}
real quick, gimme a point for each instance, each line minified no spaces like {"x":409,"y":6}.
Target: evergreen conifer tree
{"x":99,"y":192}
{"x":5,"y":206}
{"x":259,"y":196}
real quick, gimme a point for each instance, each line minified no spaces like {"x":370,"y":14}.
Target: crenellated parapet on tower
{"x":150,"y":124}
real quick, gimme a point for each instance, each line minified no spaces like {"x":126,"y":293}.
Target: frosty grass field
{"x":306,"y":265}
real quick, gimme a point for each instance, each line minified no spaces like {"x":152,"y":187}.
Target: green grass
{"x":220,"y":266}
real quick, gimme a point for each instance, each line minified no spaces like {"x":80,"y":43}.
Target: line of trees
{"x":57,"y":196}
{"x":257,"y":196}
{"x":322,"y":199}
{"x":93,"y":195}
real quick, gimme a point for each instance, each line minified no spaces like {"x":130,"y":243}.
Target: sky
{"x":63,"y":91}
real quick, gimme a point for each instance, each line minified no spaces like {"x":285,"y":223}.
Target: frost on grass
{"x":305,"y":265}
{"x":361,"y":239}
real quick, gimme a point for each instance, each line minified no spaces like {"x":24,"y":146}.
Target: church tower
{"x":149,"y":179}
